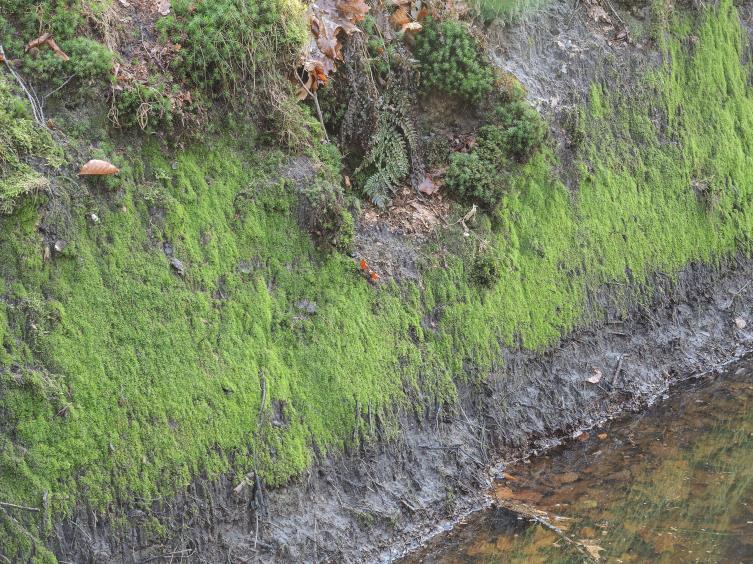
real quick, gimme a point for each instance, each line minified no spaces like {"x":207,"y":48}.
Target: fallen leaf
{"x":503,"y":492}
{"x":42,"y":39}
{"x":353,"y":10}
{"x":602,"y":436}
{"x":741,"y":323}
{"x":95,"y":167}
{"x":400,"y":17}
{"x":364,"y":266}
{"x":598,"y":14}
{"x":163,"y":7}
{"x":595,"y":378}
{"x":530,"y":496}
{"x":374,"y":277}
{"x":57,"y":50}
{"x":567,"y":478}
{"x":428,"y":186}
{"x":329,"y":21}
{"x":592,"y":549}
{"x":412,"y":26}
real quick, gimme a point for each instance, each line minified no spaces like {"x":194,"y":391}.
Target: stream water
{"x":674,"y":484}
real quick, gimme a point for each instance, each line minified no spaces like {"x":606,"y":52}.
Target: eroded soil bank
{"x":376,"y":503}
{"x":672,"y":483}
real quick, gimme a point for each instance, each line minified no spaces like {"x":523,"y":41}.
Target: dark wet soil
{"x":674,"y":484}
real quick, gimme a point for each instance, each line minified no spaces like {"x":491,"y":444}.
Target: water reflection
{"x":672,"y":485}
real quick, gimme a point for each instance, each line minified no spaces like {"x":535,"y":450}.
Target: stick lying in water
{"x":542,"y":518}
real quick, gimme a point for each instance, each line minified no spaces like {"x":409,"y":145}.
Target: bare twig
{"x":316,"y":103}
{"x":36,"y":107}
{"x":59,"y":87}
{"x":14,"y":506}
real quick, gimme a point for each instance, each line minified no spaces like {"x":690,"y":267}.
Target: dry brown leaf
{"x":567,"y":478}
{"x":96,"y":167}
{"x":329,"y":21}
{"x":39,"y":41}
{"x":592,"y":549}
{"x":595,"y":378}
{"x":163,"y":7}
{"x":412,"y":26}
{"x":503,"y":492}
{"x":353,"y":10}
{"x":400,"y":17}
{"x":428,"y":186}
{"x":57,"y":50}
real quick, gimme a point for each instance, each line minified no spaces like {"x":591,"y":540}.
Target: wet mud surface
{"x":672,"y":484}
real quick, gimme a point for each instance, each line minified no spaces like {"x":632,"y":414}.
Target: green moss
{"x":90,"y":62}
{"x":20,"y":138}
{"x":228,"y":46}
{"x":514,"y":132}
{"x":452,"y":61}
{"x":149,"y":108}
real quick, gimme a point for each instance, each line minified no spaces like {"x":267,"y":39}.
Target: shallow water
{"x":674,"y":484}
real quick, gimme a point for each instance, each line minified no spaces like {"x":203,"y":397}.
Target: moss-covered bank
{"x":120,"y":379}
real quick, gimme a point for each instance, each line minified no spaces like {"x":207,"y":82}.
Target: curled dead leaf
{"x":96,"y":167}
{"x":329,"y":21}
{"x":353,"y":10}
{"x":595,"y":378}
{"x":412,"y":26}
{"x":400,"y":17}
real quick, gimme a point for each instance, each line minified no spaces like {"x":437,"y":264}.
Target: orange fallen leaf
{"x":400,"y":17}
{"x":354,"y":10}
{"x":503,"y":492}
{"x":96,"y":167}
{"x":329,"y":22}
{"x":38,"y":41}
{"x":364,"y":266}
{"x":373,"y":276}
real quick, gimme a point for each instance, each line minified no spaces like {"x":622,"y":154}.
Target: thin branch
{"x":14,"y":506}
{"x":36,"y":107}
{"x":316,"y":103}
{"x":59,"y":87}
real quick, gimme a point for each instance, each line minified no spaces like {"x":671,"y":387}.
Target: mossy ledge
{"x":124,"y":379}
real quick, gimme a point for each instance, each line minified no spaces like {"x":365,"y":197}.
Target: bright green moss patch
{"x":21,"y":138}
{"x":121,"y":379}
